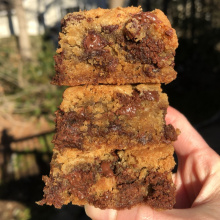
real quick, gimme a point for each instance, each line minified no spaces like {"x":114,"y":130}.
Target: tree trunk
{"x":9,"y":15}
{"x":23,"y":38}
{"x":116,"y":3}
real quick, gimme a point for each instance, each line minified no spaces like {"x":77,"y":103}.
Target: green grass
{"x":26,"y":85}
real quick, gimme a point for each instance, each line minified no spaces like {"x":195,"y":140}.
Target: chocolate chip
{"x":147,"y":51}
{"x":136,"y":28}
{"x":132,"y":29}
{"x":169,"y":32}
{"x":89,"y":19}
{"x":129,"y":110}
{"x":94,"y":41}
{"x":110,"y":63}
{"x":146,"y":18}
{"x":150,"y":95}
{"x":71,"y":18}
{"x":106,"y":169}
{"x":109,"y":28}
{"x":170,"y":133}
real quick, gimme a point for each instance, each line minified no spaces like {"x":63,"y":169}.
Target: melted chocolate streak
{"x":145,"y":51}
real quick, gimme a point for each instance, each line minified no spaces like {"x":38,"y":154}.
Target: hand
{"x":197,"y":181}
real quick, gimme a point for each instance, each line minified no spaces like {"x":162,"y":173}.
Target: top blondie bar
{"x":115,"y":46}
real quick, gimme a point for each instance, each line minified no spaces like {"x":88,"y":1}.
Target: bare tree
{"x":116,"y":3}
{"x":24,"y":40}
{"x":9,"y":15}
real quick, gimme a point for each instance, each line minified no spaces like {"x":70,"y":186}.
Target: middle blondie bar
{"x":113,"y":117}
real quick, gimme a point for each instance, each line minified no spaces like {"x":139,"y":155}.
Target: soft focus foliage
{"x":25,"y":86}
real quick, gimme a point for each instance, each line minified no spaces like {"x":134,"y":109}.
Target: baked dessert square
{"x":116,"y":179}
{"x":113,"y":117}
{"x":112,"y":148}
{"x":115,"y":46}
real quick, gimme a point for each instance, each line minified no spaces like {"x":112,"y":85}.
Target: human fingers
{"x":189,"y":139}
{"x":194,"y":154}
{"x":99,"y":214}
{"x":135,"y":213}
{"x":196,"y":161}
{"x":140,"y":212}
{"x":143,"y":212}
{"x":199,"y":166}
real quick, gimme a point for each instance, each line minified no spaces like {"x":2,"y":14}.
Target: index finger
{"x":189,"y":139}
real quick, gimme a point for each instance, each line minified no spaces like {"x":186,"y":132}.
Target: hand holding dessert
{"x":197,"y":181}
{"x":112,"y":147}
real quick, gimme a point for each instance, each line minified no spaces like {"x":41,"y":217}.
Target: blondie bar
{"x":92,"y":117}
{"x":115,"y":46}
{"x":107,"y":178}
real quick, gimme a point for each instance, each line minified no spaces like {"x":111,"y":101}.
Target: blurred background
{"x":28,"y":40}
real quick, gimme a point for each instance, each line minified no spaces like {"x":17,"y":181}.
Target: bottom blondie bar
{"x":117,"y":179}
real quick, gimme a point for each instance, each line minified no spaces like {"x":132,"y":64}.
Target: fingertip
{"x":173,"y":117}
{"x":189,"y":139}
{"x":138,"y":212}
{"x":99,"y":214}
{"x":110,"y":214}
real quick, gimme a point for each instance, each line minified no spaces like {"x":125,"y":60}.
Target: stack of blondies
{"x":112,"y":147}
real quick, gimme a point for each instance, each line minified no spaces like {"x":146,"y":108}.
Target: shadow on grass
{"x":29,"y":188}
